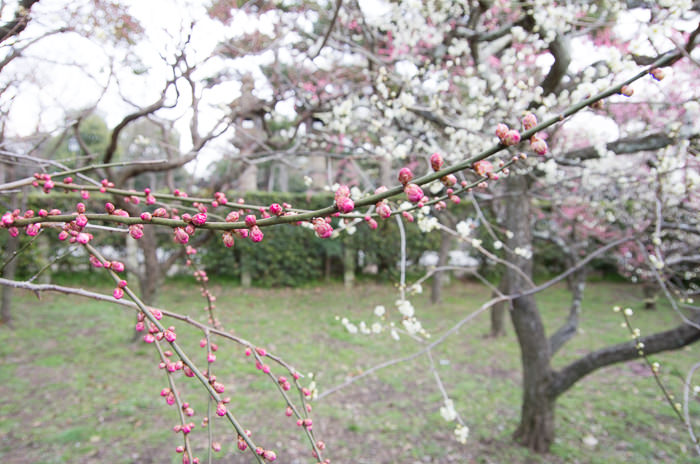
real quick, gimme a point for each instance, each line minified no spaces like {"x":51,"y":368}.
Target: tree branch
{"x":672,"y":339}
{"x":20,"y":21}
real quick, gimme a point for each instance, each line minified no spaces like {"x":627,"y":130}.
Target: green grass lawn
{"x":75,"y":388}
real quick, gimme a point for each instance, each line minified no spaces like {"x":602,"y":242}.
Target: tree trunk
{"x":151,"y":275}
{"x":349,"y":267}
{"x":498,"y":312}
{"x":536,"y":428}
{"x":440,"y":277}
{"x":650,"y":290}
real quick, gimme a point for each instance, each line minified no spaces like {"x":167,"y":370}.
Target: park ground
{"x":74,"y":387}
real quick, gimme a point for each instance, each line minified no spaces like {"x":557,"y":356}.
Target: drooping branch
{"x":673,"y":339}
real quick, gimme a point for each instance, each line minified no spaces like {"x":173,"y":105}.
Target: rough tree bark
{"x":498,"y":312}
{"x":536,"y":428}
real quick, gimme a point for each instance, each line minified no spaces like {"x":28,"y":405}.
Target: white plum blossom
{"x":379,"y":310}
{"x":448,"y":411}
{"x":462,"y":433}
{"x":405,"y":307}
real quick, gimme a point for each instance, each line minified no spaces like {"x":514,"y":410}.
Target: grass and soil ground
{"x":75,"y":388}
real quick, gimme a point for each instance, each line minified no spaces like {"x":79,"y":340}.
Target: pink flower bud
{"x":84,"y":194}
{"x":657,"y":73}
{"x":383,"y":209}
{"x":62,"y":235}
{"x":529,"y":121}
{"x":109,"y":207}
{"x":83,"y":238}
{"x":160,"y":212}
{"x":436,"y":161}
{"x":407,"y":216}
{"x":288,"y":412}
{"x":483,"y":167}
{"x":118,"y":293}
{"x":68,"y":180}
{"x":180,"y":235}
{"x":256,"y":234}
{"x":221,"y":409}
{"x":140,"y":326}
{"x":276,"y":209}
{"x":250,"y":220}
{"x":512,"y":137}
{"x":136,"y":231}
{"x":32,"y":229}
{"x":261,"y":351}
{"x":211,"y":357}
{"x":80,"y":208}
{"x":150,"y":199}
{"x":199,"y":219}
{"x":627,"y":91}
{"x":169,"y":335}
{"x":269,"y":455}
{"x":372,"y":224}
{"x":501,"y":130}
{"x":248,"y":352}
{"x":216,"y":446}
{"x":345,"y":205}
{"x":538,"y":145}
{"x":7,"y":219}
{"x":227,"y":237}
{"x":448,"y":180}
{"x":148,"y":338}
{"x":405,"y":176}
{"x":413,"y":192}
{"x":233,"y":216}
{"x":81,"y":220}
{"x":455,"y":199}
{"x":117,"y":266}
{"x":146,"y":217}
{"x":322,"y":228}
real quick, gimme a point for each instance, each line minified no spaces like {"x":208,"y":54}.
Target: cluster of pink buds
{"x":242,"y":445}
{"x":105,"y":184}
{"x":343,"y":201}
{"x":119,"y":291}
{"x":322,"y":227}
{"x":371,"y":222}
{"x":219,"y":199}
{"x":150,"y":199}
{"x":308,"y":423}
{"x":284,"y":383}
{"x":48,"y":184}
{"x":537,"y":143}
{"x":507,"y":136}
